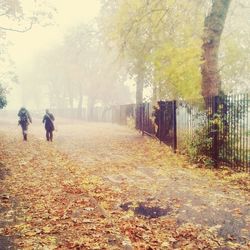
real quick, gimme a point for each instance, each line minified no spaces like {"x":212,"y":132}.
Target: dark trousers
{"x":25,"y":132}
{"x":24,"y":135}
{"x":49,"y":135}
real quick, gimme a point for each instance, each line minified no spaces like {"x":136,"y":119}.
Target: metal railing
{"x":223,"y":122}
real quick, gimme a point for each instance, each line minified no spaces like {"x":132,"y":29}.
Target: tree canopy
{"x":163,"y":43}
{"x":177,"y":49}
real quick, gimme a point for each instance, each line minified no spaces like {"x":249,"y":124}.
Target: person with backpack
{"x":48,"y":120}
{"x":24,"y":121}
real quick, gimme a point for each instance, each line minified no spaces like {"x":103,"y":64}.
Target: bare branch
{"x":25,"y":29}
{"x":18,"y":30}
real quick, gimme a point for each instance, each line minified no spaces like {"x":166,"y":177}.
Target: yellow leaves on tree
{"x":177,"y":69}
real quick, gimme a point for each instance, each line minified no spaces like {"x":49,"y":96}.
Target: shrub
{"x":198,"y":146}
{"x":3,"y":101}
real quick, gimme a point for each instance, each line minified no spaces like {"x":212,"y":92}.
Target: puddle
{"x":126,"y":206}
{"x":151,"y":211}
{"x":146,"y":210}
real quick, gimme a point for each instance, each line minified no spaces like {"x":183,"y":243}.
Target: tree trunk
{"x":91,"y":103}
{"x":213,"y":28}
{"x":139,"y":96}
{"x":71,"y":107}
{"x":71,"y":103}
{"x":79,"y":108}
{"x":154,"y":97}
{"x":139,"y":87}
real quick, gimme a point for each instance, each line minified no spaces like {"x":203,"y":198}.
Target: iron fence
{"x":220,"y":122}
{"x":221,"y":125}
{"x":223,"y":122}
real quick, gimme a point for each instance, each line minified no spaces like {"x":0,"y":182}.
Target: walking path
{"x":102,"y":186}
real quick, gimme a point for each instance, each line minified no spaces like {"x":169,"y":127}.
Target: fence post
{"x":174,"y":126}
{"x":138,"y":116}
{"x":215,"y":130}
{"x":138,"y":122}
{"x":142,"y":117}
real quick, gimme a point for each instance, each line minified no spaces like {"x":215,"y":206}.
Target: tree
{"x":91,"y":68}
{"x":130,"y":39}
{"x":7,"y":70}
{"x":161,"y":43}
{"x":234,"y":60}
{"x":213,"y":28}
{"x":3,"y":101}
{"x":80,"y":73}
{"x":15,"y":18}
{"x":177,"y":50}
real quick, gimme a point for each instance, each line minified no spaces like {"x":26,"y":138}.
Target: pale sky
{"x":27,"y":45}
{"x":69,"y":13}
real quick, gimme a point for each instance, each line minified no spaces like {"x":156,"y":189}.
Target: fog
{"x":124,"y":124}
{"x":31,"y":52}
{"x":57,"y":54}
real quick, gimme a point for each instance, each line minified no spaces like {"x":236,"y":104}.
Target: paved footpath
{"x":139,"y":176}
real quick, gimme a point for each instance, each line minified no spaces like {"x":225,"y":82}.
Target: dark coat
{"x":24,"y":118}
{"x":48,"y":119}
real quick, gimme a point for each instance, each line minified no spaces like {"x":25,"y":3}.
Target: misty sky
{"x":27,"y":45}
{"x":70,"y":13}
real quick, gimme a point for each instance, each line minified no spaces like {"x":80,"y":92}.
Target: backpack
{"x":23,"y":117}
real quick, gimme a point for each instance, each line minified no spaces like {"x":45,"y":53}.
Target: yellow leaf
{"x":47,"y":229}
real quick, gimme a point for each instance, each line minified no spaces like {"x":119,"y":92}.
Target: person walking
{"x":48,"y":120}
{"x":24,"y":121}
